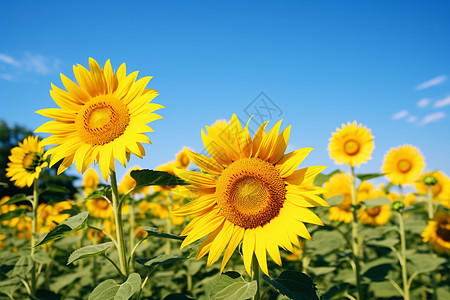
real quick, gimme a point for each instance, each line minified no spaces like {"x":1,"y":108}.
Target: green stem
{"x":257,"y":277}
{"x":149,"y":271}
{"x":403,"y":252}
{"x":355,"y":237}
{"x":33,"y":235}
{"x":168,"y":228}
{"x":115,"y":266}
{"x":430,"y":203}
{"x":132,"y":225}
{"x":117,"y":209}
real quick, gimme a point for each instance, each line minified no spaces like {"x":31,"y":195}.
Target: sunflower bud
{"x":398,"y":206}
{"x":429,"y":180}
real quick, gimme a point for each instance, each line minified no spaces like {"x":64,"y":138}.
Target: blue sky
{"x":384,"y":64}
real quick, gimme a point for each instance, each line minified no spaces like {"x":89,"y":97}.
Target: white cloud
{"x":400,"y":114}
{"x":442,"y":102}
{"x":433,"y":117}
{"x":423,"y":102}
{"x":411,"y":119}
{"x":13,"y":68}
{"x":431,"y":82}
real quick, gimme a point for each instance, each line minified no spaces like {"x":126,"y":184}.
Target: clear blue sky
{"x":384,"y":64}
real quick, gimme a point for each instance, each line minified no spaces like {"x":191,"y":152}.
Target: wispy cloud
{"x":399,"y":115}
{"x":29,"y":63}
{"x":411,"y":119}
{"x":431,"y":82}
{"x":442,"y":102}
{"x":433,"y":117}
{"x":423,"y":102}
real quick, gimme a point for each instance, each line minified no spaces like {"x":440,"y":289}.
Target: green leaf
{"x":384,"y":289}
{"x":335,"y":200}
{"x":378,"y":269}
{"x":368,"y":176}
{"x":150,"y":177}
{"x":325,"y":242}
{"x":104,"y":192}
{"x":41,"y":257}
{"x":320,"y":270}
{"x":389,"y":242}
{"x":110,"y":290}
{"x":322,"y":178}
{"x":9,"y":286}
{"x":70,"y":225}
{"x":16,"y":198}
{"x":12,"y":214}
{"x":231,"y":286}
{"x":153,"y":231}
{"x":294,"y":284}
{"x":376,"y":202}
{"x":425,"y":262}
{"x":177,"y":296}
{"x":56,"y":189}
{"x":336,"y":292}
{"x":159,"y":260}
{"x":23,"y":266}
{"x":89,"y":251}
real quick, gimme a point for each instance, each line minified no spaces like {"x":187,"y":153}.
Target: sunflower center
{"x":250,"y":192}
{"x":31,"y":161}
{"x":102,"y":204}
{"x":346,"y":204}
{"x":102,"y":119}
{"x":351,"y":147}
{"x":374,"y":211}
{"x":404,"y":165}
{"x":443,"y":231}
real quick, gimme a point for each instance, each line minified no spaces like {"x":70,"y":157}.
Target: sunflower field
{"x":244,"y":220}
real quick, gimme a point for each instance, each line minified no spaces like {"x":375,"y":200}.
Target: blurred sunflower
{"x":99,"y":208}
{"x":438,"y":233}
{"x":102,"y":118}
{"x":351,"y":145}
{"x":26,"y":162}
{"x":403,"y":164}
{"x":251,"y":192}
{"x":129,"y":183}
{"x":339,"y":184}
{"x":409,"y":199}
{"x":441,"y":190}
{"x":90,"y":181}
{"x":2,"y":245}
{"x":378,"y":215}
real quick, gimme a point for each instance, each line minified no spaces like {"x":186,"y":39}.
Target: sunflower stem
{"x":403,"y":255}
{"x":33,"y":236}
{"x":132,"y":225}
{"x":117,"y":209}
{"x":168,"y":228}
{"x":256,"y":276}
{"x":355,"y":237}
{"x":430,"y":203}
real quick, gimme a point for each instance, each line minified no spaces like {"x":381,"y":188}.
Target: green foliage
{"x":153,"y":231}
{"x":16,"y":198}
{"x":13,"y":214}
{"x":149,"y":177}
{"x":110,"y":290}
{"x":89,"y":251}
{"x":159,"y":260}
{"x":335,"y":200}
{"x":322,"y":178}
{"x":231,"y":286}
{"x":376,"y":202}
{"x":70,"y":225}
{"x":294,"y":284}
{"x":368,"y":176}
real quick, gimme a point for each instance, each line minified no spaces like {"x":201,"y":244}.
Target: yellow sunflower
{"x":378,"y":215}
{"x":403,"y":164}
{"x":102,"y":118}
{"x":99,"y":208}
{"x":351,"y":145}
{"x":409,"y":199}
{"x":438,"y":233}
{"x":90,"y":181}
{"x":339,"y":184}
{"x":128,"y":183}
{"x":26,"y":162}
{"x":441,"y":190}
{"x":250,"y":192}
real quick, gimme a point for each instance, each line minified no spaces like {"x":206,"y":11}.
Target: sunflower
{"x":339,"y":184}
{"x":129,"y":183}
{"x":250,"y":192}
{"x":409,"y":199}
{"x":441,"y":190}
{"x":438,"y":233}
{"x":403,"y":164}
{"x":351,"y":145}
{"x":90,"y":181}
{"x":26,"y":162}
{"x":378,"y":215}
{"x":102,"y":118}
{"x":99,"y":208}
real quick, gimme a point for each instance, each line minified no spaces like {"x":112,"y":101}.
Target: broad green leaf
{"x":336,"y":292}
{"x":16,"y":198}
{"x":89,"y":251}
{"x":150,"y":177}
{"x":294,"y":284}
{"x":320,"y":270}
{"x":415,"y":224}
{"x":9,"y":286}
{"x":231,"y":286}
{"x":384,"y":289}
{"x":23,"y":266}
{"x":177,"y":296}
{"x":378,"y":269}
{"x":13,"y":214}
{"x":322,"y":178}
{"x":368,"y":176}
{"x":104,"y":192}
{"x":389,"y":242}
{"x":335,"y":200}
{"x":70,"y":225}
{"x":324,"y":242}
{"x":153,"y":231}
{"x":110,"y":290}
{"x":159,"y":260}
{"x":41,"y":257}
{"x":376,"y":202}
{"x":56,"y":189}
{"x":425,"y":262}
{"x":64,"y":280}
